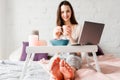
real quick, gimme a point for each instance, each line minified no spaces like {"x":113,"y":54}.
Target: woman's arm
{"x":72,"y":41}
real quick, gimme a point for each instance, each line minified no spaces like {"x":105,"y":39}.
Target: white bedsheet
{"x":10,"y":70}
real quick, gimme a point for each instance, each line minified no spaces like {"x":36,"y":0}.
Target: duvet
{"x":11,"y":70}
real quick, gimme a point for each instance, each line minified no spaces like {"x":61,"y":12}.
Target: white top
{"x":75,"y":33}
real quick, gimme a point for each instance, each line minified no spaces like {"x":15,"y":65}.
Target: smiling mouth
{"x":66,"y":17}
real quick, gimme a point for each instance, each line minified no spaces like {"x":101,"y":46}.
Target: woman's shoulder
{"x":78,"y":29}
{"x":77,"y":26}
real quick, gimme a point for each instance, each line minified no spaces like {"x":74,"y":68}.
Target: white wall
{"x":23,"y":16}
{"x":2,"y":26}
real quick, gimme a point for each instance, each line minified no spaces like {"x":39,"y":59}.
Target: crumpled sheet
{"x":10,"y":70}
{"x":110,"y":69}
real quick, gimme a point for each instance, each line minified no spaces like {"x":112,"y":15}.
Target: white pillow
{"x":15,"y":55}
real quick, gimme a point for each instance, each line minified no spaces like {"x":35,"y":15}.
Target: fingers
{"x":57,"y":32}
{"x":65,"y":30}
{"x":58,"y":29}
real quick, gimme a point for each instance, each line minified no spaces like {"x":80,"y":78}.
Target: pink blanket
{"x":109,"y":65}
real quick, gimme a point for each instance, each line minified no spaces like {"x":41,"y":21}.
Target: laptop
{"x":91,"y":33}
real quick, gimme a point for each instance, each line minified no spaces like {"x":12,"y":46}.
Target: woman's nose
{"x":65,"y":14}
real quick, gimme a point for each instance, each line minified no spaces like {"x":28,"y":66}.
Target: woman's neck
{"x":67,"y":23}
{"x":70,"y":24}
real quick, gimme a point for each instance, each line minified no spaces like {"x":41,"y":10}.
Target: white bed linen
{"x":11,"y":70}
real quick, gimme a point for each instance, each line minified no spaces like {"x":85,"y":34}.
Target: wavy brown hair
{"x":59,"y":20}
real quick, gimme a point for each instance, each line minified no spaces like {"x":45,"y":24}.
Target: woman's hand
{"x":57,"y":32}
{"x":67,"y":31}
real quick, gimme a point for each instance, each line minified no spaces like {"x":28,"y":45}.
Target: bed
{"x":11,"y":70}
{"x":110,"y":70}
{"x":110,"y":66}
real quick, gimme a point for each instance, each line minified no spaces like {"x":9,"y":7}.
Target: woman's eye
{"x":62,"y":11}
{"x":68,"y":11}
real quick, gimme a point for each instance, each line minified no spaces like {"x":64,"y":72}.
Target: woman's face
{"x":65,"y":13}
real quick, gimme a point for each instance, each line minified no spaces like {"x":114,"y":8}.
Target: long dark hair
{"x":59,"y":20}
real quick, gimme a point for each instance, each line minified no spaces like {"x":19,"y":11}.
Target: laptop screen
{"x":91,"y":33}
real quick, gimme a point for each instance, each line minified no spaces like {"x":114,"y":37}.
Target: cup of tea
{"x":66,"y":30}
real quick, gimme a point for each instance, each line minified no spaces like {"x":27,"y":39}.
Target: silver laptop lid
{"x":91,"y":33}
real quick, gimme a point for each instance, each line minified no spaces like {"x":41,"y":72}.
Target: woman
{"x":68,"y":28}
{"x":65,"y":17}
